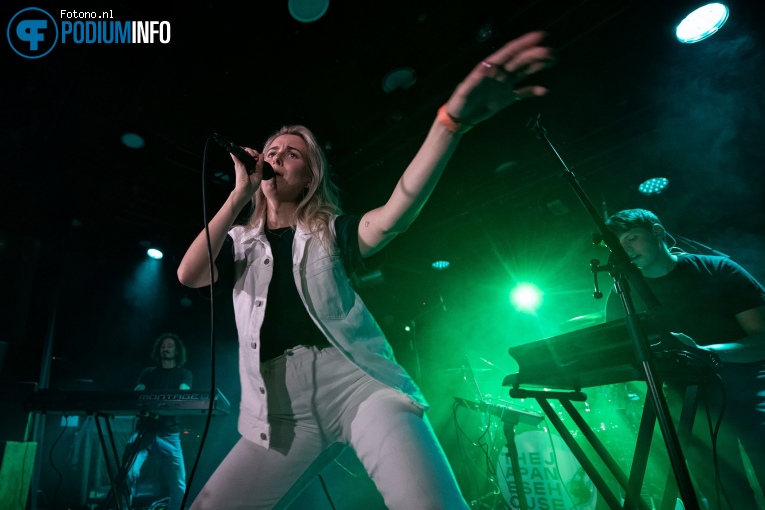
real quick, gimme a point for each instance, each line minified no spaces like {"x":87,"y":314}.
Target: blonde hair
{"x":320,"y":201}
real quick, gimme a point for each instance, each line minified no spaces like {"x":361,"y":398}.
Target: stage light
{"x":132,"y":140}
{"x":484,"y":32}
{"x":702,"y":23}
{"x":307,"y":11}
{"x":145,"y":289}
{"x":399,"y":79}
{"x":440,"y":265}
{"x":654,"y":186}
{"x":526,"y":297}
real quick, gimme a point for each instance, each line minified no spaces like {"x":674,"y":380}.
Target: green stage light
{"x":526,"y":297}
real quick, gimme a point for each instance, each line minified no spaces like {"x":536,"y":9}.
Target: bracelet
{"x":450,"y":123}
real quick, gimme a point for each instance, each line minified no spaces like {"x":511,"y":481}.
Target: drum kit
{"x":550,"y":474}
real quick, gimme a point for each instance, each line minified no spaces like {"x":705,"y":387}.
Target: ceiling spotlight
{"x":440,"y":265}
{"x":401,"y":78}
{"x":307,"y":11}
{"x":154,"y":253}
{"x":701,"y":23}
{"x":653,"y":186}
{"x":484,"y":33}
{"x":132,"y":140}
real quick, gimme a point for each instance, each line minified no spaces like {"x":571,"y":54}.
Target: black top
{"x":287,"y":323}
{"x":158,"y":378}
{"x":700,"y":297}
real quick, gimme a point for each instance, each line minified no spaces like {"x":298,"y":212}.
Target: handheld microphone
{"x":248,"y":161}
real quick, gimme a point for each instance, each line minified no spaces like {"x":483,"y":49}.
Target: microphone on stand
{"x":248,"y":161}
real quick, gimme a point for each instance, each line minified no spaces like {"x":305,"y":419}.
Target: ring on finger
{"x":498,"y":70}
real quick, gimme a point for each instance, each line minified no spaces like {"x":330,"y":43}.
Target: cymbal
{"x":460,"y":370}
{"x":582,"y":321}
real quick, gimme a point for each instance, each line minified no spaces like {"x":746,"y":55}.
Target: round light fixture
{"x":440,"y":265}
{"x":653,"y":186}
{"x":307,"y":11}
{"x":701,"y":23}
{"x":132,"y":140}
{"x":401,"y":78}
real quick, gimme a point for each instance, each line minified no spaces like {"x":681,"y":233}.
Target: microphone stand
{"x":626,"y":274}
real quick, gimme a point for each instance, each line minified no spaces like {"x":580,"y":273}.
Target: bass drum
{"x":550,"y":474}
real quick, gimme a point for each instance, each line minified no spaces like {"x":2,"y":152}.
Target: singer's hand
{"x":493,"y":84}
{"x":247,"y":184}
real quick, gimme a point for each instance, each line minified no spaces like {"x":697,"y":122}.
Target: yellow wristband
{"x":450,"y":123}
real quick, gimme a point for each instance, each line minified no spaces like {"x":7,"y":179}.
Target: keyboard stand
{"x":118,"y":482}
{"x":631,"y":485}
{"x":123,"y":499}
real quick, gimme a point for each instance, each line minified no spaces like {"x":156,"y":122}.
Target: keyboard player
{"x":711,"y":303}
{"x":159,"y":436}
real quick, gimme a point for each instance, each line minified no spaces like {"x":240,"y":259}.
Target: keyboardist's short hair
{"x":624,"y":220}
{"x":180,"y":349}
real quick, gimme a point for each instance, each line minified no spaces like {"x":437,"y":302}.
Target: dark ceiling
{"x":627,"y":102}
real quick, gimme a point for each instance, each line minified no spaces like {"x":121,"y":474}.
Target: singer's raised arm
{"x":490,"y":87}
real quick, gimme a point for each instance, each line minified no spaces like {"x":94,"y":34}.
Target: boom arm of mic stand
{"x":623,"y":267}
{"x":619,"y":258}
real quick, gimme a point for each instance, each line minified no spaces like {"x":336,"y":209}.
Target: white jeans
{"x":167,"y":448}
{"x":317,"y":398}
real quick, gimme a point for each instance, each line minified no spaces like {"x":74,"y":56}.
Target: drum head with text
{"x":550,"y":474}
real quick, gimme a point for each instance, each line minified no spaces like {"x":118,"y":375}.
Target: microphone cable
{"x":714,"y":431}
{"x":212,"y":327}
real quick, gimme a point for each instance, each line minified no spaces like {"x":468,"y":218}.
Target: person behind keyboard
{"x":713,"y":304}
{"x":159,"y":436}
